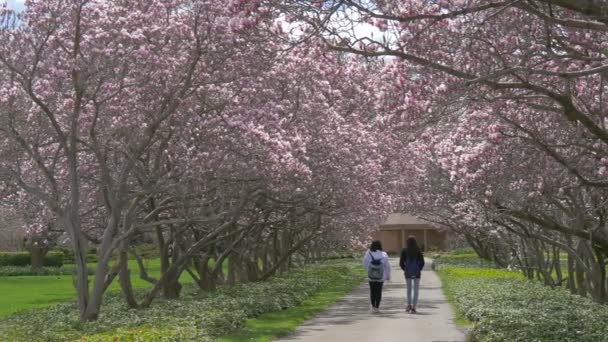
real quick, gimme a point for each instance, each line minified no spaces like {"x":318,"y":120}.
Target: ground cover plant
{"x":503,"y":305}
{"x":196,"y":315}
{"x":280,"y":323}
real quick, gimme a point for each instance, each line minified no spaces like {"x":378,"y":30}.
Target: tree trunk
{"x":181,"y":262}
{"x":580,"y":280}
{"x":601,"y":279}
{"x":81,"y":278}
{"x":558,"y":266}
{"x":104,"y":253}
{"x":570,"y":282}
{"x":171,"y":288}
{"x":37,"y":254}
{"x":252,"y":270}
{"x":284,"y":258}
{"x":232,"y":269}
{"x":124,"y":277}
{"x":207,"y":281}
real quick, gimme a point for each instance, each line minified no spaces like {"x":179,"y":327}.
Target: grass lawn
{"x":27,"y":292}
{"x":280,"y":304}
{"x":280,"y":323}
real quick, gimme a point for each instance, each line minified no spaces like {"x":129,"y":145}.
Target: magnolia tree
{"x":543,"y":57}
{"x":189,"y":120}
{"x":509,"y":136}
{"x":493,"y":176}
{"x":512,"y":190}
{"x":88,"y":86}
{"x":294,"y":151}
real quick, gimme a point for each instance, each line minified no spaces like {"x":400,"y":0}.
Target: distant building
{"x":398,"y":227}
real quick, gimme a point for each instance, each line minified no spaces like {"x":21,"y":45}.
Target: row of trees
{"x":253,"y":131}
{"x":193,"y":121}
{"x":507,"y":107}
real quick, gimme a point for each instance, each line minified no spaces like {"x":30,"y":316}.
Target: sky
{"x":15,"y":4}
{"x":360,"y":30}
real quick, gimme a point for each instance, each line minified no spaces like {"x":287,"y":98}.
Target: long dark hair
{"x":412,"y":250}
{"x":376,"y":245}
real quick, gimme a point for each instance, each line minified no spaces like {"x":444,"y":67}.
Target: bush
{"x":9,"y":271}
{"x":507,"y":307}
{"x":197,"y":316}
{"x":52,"y":259}
{"x":463,"y":260}
{"x":68,"y":256}
{"x":148,"y":251}
{"x":464,"y":250}
{"x":90,"y":258}
{"x":15,"y":258}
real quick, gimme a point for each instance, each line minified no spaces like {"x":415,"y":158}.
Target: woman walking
{"x":411,"y":262}
{"x":378,"y":270}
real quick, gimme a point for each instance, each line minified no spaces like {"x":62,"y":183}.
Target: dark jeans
{"x":375,"y":293}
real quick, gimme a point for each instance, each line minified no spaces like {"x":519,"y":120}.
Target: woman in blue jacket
{"x":412,"y":262}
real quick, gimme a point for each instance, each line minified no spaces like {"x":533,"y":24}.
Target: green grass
{"x":197,"y":315}
{"x":28,"y":292}
{"x":274,"y":324}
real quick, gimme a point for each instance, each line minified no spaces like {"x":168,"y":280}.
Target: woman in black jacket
{"x":412,"y":262}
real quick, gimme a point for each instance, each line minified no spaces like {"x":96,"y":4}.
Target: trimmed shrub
{"x":462,"y":260}
{"x":460,"y":251}
{"x":148,"y":251}
{"x":15,"y":258}
{"x":11,"y":271}
{"x":68,"y":254}
{"x":68,"y":257}
{"x":51,"y":259}
{"x":89,"y":258}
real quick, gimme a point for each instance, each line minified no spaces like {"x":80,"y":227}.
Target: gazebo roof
{"x":399,"y":220}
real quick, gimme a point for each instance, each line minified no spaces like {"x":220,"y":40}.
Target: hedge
{"x":466,"y":260}
{"x":51,"y":259}
{"x":196,"y":316}
{"x":463,"y":250}
{"x":68,"y":255}
{"x":504,"y":306}
{"x":10,"y":271}
{"x":148,"y":251}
